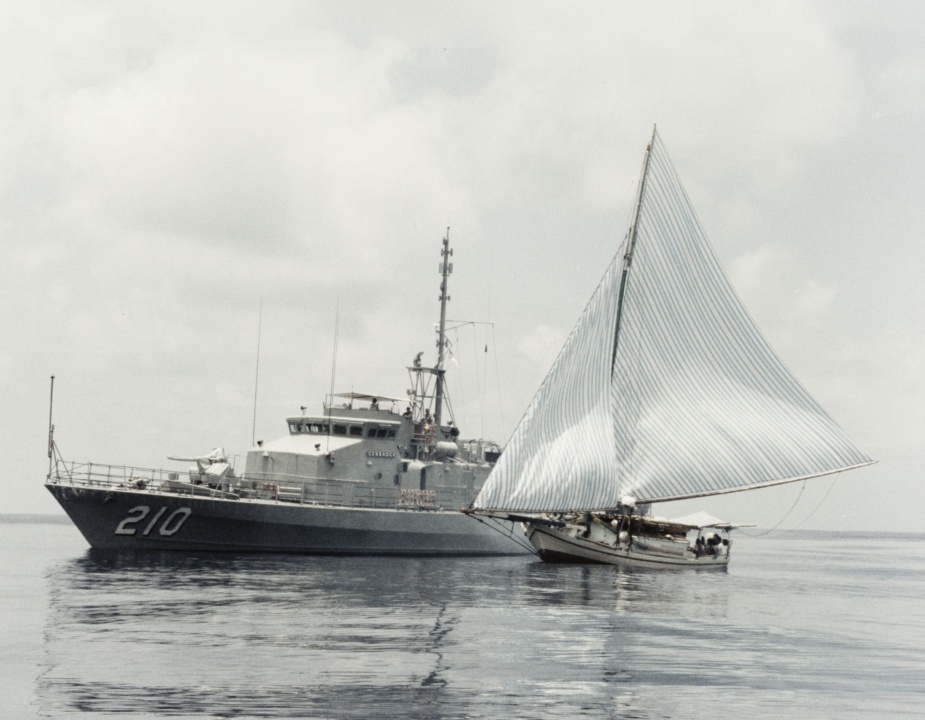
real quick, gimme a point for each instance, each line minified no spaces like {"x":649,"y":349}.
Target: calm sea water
{"x":806,"y":626}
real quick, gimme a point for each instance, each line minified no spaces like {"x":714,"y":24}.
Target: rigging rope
{"x":497,"y":375}
{"x":802,"y":522}
{"x":786,"y":515}
{"x":498,"y":526}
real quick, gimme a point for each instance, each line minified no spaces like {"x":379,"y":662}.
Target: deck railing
{"x":288,"y":489}
{"x":98,"y":474}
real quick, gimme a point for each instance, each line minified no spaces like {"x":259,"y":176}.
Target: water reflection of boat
{"x":223,"y":635}
{"x":226,"y":635}
{"x":371,"y":474}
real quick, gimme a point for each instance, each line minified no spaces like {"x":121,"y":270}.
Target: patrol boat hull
{"x":141,"y":519}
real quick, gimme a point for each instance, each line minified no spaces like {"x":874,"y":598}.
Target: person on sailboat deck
{"x":374,"y":405}
{"x":702,"y":547}
{"x":408,"y":412}
{"x":709,"y":545}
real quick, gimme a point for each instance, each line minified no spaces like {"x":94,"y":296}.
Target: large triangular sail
{"x":688,"y":400}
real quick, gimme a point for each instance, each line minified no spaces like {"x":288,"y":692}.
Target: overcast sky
{"x":166,"y":167}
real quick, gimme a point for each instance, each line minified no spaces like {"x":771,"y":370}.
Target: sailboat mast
{"x":446,"y":268}
{"x":630,"y":247}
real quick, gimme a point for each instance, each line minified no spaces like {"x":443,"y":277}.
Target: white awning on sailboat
{"x":665,"y":388}
{"x":700,"y":520}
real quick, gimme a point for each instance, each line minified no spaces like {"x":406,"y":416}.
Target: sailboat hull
{"x":128,"y":519}
{"x":563,"y":545}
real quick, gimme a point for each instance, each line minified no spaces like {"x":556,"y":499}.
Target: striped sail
{"x":695,"y":402}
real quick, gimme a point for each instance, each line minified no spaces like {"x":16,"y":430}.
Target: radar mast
{"x":445,"y":269}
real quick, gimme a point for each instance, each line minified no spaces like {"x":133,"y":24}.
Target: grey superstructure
{"x":368,"y":475}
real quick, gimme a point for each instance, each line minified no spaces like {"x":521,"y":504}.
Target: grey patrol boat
{"x":370,"y":475}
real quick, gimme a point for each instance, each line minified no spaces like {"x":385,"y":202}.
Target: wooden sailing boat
{"x":664,"y":390}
